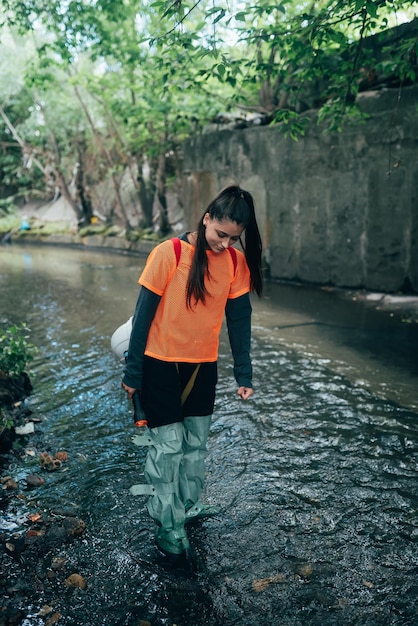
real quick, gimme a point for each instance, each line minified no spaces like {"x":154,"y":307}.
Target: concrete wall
{"x":339,"y":209}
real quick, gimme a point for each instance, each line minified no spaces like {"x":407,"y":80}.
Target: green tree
{"x":41,"y":125}
{"x":290,"y":57}
{"x":137,"y":100}
{"x":112,"y":88}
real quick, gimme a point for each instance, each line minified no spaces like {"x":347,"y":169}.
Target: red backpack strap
{"x":233,"y":254}
{"x":177,"y":249}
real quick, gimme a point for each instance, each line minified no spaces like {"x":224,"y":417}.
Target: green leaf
{"x":220,"y":16}
{"x":371,"y":8}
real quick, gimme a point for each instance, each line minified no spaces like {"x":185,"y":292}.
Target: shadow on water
{"x":316,"y":477}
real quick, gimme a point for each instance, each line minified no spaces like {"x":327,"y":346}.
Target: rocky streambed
{"x":32,"y":537}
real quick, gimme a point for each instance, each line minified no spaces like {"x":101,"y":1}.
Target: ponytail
{"x":253,"y":248}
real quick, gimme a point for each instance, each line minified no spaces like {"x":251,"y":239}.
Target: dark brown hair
{"x":237,"y":205}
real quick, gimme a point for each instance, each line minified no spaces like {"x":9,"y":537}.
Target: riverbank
{"x":31,"y":536}
{"x":117,"y":243}
{"x":403,"y":305}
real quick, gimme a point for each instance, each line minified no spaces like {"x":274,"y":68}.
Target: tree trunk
{"x":65,"y":192}
{"x":161,"y":195}
{"x":59,"y":177}
{"x":146,"y":193}
{"x":119,"y":208}
{"x":126,"y":158}
{"x":52,"y":172}
{"x":83,"y":198}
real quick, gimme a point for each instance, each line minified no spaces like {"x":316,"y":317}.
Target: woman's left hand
{"x":129,"y":390}
{"x":245,"y":392}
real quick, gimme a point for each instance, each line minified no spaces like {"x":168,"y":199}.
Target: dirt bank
{"x":31,"y":537}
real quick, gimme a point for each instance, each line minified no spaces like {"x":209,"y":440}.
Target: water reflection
{"x":316,"y":477}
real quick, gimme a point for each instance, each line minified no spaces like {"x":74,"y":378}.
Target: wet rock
{"x":262,"y":583}
{"x":58,"y":563}
{"x":53,"y":619}
{"x":68,"y":511}
{"x":45,"y":611}
{"x":11,"y":616}
{"x":15,"y":546}
{"x":34,"y":533}
{"x":8,"y":483}
{"x":7,"y":438}
{"x":14,"y":389}
{"x":55,"y":536}
{"x":42,"y":538}
{"x":25,"y":429}
{"x":49,"y":462}
{"x":34,"y":480}
{"x":61,"y":456}
{"x":74,"y":527}
{"x":305,"y":570}
{"x":52,"y":462}
{"x":27,"y":555}
{"x":75,"y":580}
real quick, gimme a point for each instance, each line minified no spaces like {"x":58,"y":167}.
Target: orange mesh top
{"x":177,"y":332}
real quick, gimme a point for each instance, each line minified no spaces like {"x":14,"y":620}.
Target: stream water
{"x":316,"y":475}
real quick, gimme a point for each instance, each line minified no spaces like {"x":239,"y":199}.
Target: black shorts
{"x":162,"y":386}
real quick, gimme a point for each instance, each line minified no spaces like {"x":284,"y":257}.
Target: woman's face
{"x":220,"y":234}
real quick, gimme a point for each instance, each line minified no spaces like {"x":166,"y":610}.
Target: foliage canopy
{"x":101,"y":92}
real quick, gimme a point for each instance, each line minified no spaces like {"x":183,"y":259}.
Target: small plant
{"x":15,"y":351}
{"x":6,"y":421}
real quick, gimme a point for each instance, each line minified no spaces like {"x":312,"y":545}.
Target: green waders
{"x":175,"y":473}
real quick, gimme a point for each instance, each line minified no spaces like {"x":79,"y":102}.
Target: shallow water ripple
{"x":316,"y":475}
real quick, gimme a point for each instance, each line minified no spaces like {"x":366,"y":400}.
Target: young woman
{"x":187,"y":286}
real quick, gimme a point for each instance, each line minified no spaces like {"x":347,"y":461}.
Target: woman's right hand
{"x":129,"y":390}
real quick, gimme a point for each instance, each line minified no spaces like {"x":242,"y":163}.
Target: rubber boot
{"x":162,"y":475}
{"x":192,"y":467}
